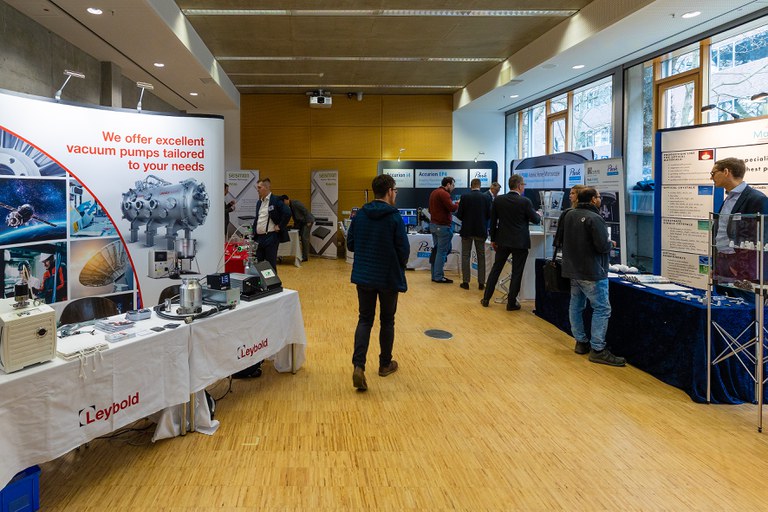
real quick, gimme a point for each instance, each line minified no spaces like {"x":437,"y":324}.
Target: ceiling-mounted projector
{"x":320,"y":101}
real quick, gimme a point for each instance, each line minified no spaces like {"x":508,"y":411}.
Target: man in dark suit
{"x":269,"y":226}
{"x":510,"y":215}
{"x":474,"y":212}
{"x":730,"y":230}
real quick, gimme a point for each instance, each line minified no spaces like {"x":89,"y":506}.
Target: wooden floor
{"x":504,"y":416}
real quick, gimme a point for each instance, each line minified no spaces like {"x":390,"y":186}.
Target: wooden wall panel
{"x":346,"y":142}
{"x":273,"y":110}
{"x":284,"y":173}
{"x":420,"y":143}
{"x":275,"y":142}
{"x":349,"y":112}
{"x":354,"y":174}
{"x":417,"y":110}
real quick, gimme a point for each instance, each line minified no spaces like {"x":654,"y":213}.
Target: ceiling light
{"x":513,"y":96}
{"x":94,"y":10}
{"x":193,"y":94}
{"x":468,"y":13}
{"x":350,"y":86}
{"x":578,"y":66}
{"x":690,"y":14}
{"x":359,"y":59}
{"x":759,"y":96}
{"x":159,"y":65}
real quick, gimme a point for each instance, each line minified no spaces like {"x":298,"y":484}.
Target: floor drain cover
{"x":438,"y":334}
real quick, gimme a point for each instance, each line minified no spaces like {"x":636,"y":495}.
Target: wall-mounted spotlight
{"x":759,"y":96}
{"x":478,"y":155}
{"x":143,"y":86}
{"x":401,"y":152}
{"x":69,"y":74}
{"x":707,"y":108}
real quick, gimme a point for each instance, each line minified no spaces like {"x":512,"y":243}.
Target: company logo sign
{"x":424,"y":250}
{"x":91,"y":414}
{"x":246,"y":351}
{"x":613,"y":170}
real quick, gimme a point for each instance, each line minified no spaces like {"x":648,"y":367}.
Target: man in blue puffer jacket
{"x":378,"y":238}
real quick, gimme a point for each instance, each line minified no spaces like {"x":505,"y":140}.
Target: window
{"x":679,"y":61}
{"x":533,"y":132}
{"x":592,"y":117}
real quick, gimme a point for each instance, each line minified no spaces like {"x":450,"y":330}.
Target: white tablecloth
{"x":291,"y":248}
{"x":50,"y":409}
{"x":421,"y":248}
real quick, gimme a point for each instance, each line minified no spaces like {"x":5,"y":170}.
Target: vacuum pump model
{"x":156,"y":202}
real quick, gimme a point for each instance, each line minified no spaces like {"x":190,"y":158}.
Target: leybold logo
{"x":244,"y":351}
{"x":91,"y":414}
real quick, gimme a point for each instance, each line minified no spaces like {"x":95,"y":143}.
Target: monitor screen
{"x":409,"y":216}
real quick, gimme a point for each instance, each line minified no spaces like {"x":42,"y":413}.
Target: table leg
{"x":293,"y":358}
{"x":192,"y":426}
{"x":184,"y":419}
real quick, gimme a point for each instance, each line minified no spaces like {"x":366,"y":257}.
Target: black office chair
{"x":168,"y":293}
{"x":87,"y":308}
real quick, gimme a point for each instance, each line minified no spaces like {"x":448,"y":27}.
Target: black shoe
{"x":513,"y":307}
{"x":484,"y":302}
{"x":481,"y":286}
{"x":605,"y":357}
{"x":444,"y":280}
{"x":582,"y":347}
{"x":358,"y":379}
{"x":465,"y":286}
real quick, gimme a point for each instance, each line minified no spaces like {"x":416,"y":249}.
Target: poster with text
{"x":242,"y":190}
{"x":607,"y":176}
{"x":685,"y":268}
{"x":324,"y":189}
{"x":137,"y":184}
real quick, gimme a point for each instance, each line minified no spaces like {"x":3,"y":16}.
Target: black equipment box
{"x":218,"y":281}
{"x":255,"y":286}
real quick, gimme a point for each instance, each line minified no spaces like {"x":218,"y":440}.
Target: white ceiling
{"x":539,"y":53}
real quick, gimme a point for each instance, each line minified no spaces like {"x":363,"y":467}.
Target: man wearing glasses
{"x":510,"y":215}
{"x":729,"y":226}
{"x":586,"y":246}
{"x":378,"y":238}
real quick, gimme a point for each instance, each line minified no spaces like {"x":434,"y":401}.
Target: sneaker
{"x":389,"y":369}
{"x":484,"y":302}
{"x":358,"y":379}
{"x":605,"y":357}
{"x":582,"y":347}
{"x":465,"y":286}
{"x":481,"y":286}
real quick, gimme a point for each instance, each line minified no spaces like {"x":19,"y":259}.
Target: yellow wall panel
{"x":284,"y":173}
{"x":274,"y":110}
{"x":275,"y":142}
{"x":346,"y":142}
{"x":420,"y":143}
{"x":349,"y":112}
{"x":354,"y":174}
{"x":417,"y":110}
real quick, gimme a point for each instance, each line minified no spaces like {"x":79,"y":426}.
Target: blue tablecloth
{"x":665,"y":336}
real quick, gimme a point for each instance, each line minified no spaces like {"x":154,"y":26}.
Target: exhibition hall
{"x":561,"y":212}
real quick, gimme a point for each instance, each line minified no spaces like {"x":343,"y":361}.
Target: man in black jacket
{"x":269,"y":226}
{"x":586,"y":247}
{"x":510,"y":215}
{"x":474,"y":212}
{"x":302,"y":221}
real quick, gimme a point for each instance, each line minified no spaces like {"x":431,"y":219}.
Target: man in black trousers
{"x":474,"y":212}
{"x":510,"y":215}
{"x":270,"y":224}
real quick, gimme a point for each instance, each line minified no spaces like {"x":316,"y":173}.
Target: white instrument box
{"x":27,"y":335}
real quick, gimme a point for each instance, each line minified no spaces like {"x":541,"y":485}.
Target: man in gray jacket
{"x":302,"y":221}
{"x":586,"y":246}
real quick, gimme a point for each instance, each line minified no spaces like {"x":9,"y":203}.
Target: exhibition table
{"x":665,"y":336}
{"x":51,"y":408}
{"x":291,"y":248}
{"x":421,"y":249}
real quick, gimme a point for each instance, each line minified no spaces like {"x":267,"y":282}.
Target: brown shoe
{"x":389,"y":369}
{"x":358,"y":379}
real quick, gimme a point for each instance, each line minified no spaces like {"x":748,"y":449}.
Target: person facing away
{"x":269,"y":226}
{"x":586,"y":246}
{"x":474,"y":213}
{"x":729,"y":229}
{"x":378,"y":238}
{"x":510,"y":215}
{"x":441,"y":206}
{"x":302,"y":221}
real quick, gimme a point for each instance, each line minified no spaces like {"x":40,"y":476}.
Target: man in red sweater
{"x":440,"y":208}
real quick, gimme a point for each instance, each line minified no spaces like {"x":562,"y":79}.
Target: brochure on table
{"x":79,"y":185}
{"x":686,"y":194}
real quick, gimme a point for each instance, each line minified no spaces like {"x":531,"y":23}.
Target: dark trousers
{"x":518,"y":265}
{"x":267,"y":249}
{"x":366,"y":298}
{"x":303,"y":229}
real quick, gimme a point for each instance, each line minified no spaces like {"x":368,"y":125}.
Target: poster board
{"x":686,"y":195}
{"x":324,"y":188}
{"x":90,"y":174}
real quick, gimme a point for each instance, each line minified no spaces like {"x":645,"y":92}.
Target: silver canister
{"x":185,"y":248}
{"x":190,"y":296}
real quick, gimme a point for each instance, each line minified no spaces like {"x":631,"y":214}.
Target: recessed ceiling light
{"x":578,"y":66}
{"x":193,"y":94}
{"x":691,"y":14}
{"x":463,"y":13}
{"x":513,"y":96}
{"x":159,"y":65}
{"x":94,"y":10}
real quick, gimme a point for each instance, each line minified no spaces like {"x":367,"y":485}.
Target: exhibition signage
{"x":687,"y":196}
{"x":607,"y":176}
{"x":242,"y":190}
{"x":93,"y":193}
{"x":325,"y":207}
{"x":403,"y":177}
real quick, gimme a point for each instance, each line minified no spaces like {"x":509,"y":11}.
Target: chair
{"x":168,"y":293}
{"x":87,"y":308}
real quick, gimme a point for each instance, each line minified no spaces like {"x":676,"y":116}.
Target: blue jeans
{"x":597,"y":294}
{"x":441,"y":239}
